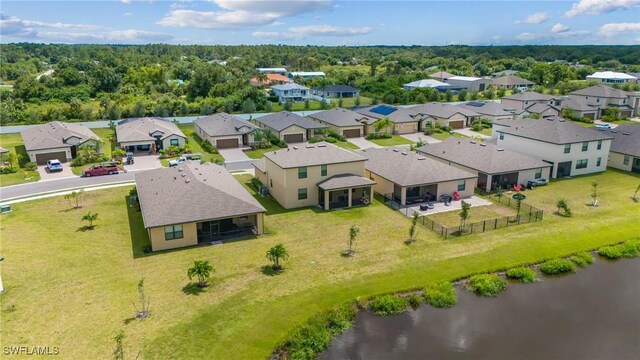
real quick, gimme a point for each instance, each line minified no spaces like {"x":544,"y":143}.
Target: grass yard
{"x":74,"y":289}
{"x":486,"y":132}
{"x":477,"y":213}
{"x":393,"y":141}
{"x":346,"y":145}
{"x":445,"y":135}
{"x":13,"y":143}
{"x":259,"y":153}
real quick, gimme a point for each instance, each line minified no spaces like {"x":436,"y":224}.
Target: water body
{"x":594,"y":314}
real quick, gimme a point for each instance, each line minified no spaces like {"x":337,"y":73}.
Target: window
{"x":581,"y":164}
{"x":585,"y":146}
{"x":302,"y":172}
{"x":175,"y":142}
{"x":538,"y":173}
{"x":501,"y":136}
{"x":599,"y":161}
{"x":567,"y":148}
{"x":173,"y":232}
{"x":302,"y":194}
{"x":462,"y":184}
{"x":599,"y":144}
{"x":625,"y":161}
{"x":323,"y":170}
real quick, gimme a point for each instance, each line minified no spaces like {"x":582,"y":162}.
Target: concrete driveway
{"x":363,"y":143}
{"x":231,"y":155}
{"x":144,"y":162}
{"x":415,"y":137}
{"x":46,"y":175}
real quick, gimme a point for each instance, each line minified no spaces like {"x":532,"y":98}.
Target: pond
{"x":593,"y":314}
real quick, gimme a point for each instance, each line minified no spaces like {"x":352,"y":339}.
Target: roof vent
{"x":183,"y":175}
{"x":626,"y":133}
{"x":422,"y":158}
{"x":186,"y":181}
{"x":614,"y":131}
{"x":322,"y":145}
{"x":396,"y":150}
{"x":179,"y":169}
{"x":472,"y":141}
{"x":404,"y":153}
{"x":500,"y":149}
{"x":309,"y":146}
{"x":483,"y":145}
{"x":295,"y":148}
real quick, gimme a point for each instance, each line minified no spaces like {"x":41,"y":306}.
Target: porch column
{"x":403,"y":196}
{"x":371,"y":195}
{"x":350,"y":198}
{"x":326,"y":200}
{"x":489,"y":182}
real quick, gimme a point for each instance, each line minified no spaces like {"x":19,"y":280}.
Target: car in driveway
{"x":54,"y":165}
{"x":536,"y":182}
{"x":603,"y":126}
{"x":108,"y":168}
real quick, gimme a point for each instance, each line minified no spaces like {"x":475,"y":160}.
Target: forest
{"x":40,"y":83}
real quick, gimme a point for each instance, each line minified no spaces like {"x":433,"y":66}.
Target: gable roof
{"x":441,"y":75}
{"x":626,"y":139}
{"x":426,"y":83}
{"x":490,"y":108}
{"x":222,"y":124}
{"x":312,"y":155}
{"x":512,"y":80}
{"x":481,"y":156}
{"x":505,"y":72}
{"x":611,"y":75}
{"x":601,"y":91}
{"x":284,"y":119}
{"x":270,"y":79}
{"x":577,"y":103}
{"x":342,"y":117}
{"x":441,"y":110}
{"x":529,"y":96}
{"x":407,"y":168}
{"x":289,"y":86}
{"x":381,"y":111}
{"x":342,"y":181}
{"x":140,"y":129}
{"x":540,"y":108}
{"x":336,"y":88}
{"x":55,"y":135}
{"x":191,"y":192}
{"x":552,"y":130}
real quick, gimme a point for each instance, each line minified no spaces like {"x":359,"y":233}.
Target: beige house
{"x":400,"y":118}
{"x":441,"y":76}
{"x":512,"y":81}
{"x":288,"y":126}
{"x":58,"y":140}
{"x":321,"y":174}
{"x":625,"y":147}
{"x":146,"y":134}
{"x":493,"y":111}
{"x":345,"y":122}
{"x":224,"y":131}
{"x":408,"y":178}
{"x":193,"y":204}
{"x":453,"y":116}
{"x":600,"y":97}
{"x":522,"y":101}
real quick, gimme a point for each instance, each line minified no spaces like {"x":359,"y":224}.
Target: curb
{"x":52,"y":193}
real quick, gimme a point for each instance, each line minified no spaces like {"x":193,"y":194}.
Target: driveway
{"x":415,"y":137}
{"x":471,"y":134}
{"x":231,"y":155}
{"x":144,"y":162}
{"x":363,"y":143}
{"x":46,"y":175}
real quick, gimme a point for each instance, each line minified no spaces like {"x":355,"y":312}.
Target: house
{"x":492,"y":110}
{"x":601,"y":97}
{"x":271,"y":79}
{"x":511,"y":82}
{"x":625,"y":147}
{"x":319,"y":174}
{"x":407,"y":177}
{"x":612,"y":77}
{"x":453,"y":116}
{"x":543,"y":110}
{"x":281,"y":71}
{"x":469,"y":83}
{"x":522,"y":101}
{"x":148,"y":134}
{"x":441,"y":76}
{"x":288,"y":126}
{"x":345,"y":122}
{"x":571,"y":149}
{"x":579,"y":109}
{"x":400,"y":118}
{"x":494,"y":166}
{"x":290,"y":92}
{"x":504,"y":73}
{"x":57,"y":140}
{"x":224,"y":131}
{"x":427,"y":83}
{"x":306,"y":74}
{"x":335,"y":91}
{"x":193,"y":204}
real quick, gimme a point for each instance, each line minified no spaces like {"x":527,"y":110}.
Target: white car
{"x":54,"y":165}
{"x":180,"y":160}
{"x":603,"y":126}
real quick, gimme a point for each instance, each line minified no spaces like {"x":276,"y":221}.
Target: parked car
{"x":537,"y":182}
{"x":603,"y":126}
{"x":181,"y":159}
{"x":54,"y":165}
{"x":107,"y":168}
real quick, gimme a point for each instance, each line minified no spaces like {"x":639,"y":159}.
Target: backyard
{"x":84,"y":282}
{"x":477,"y":213}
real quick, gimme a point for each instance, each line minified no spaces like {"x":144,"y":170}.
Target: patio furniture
{"x":426,"y":206}
{"x":456,"y":196}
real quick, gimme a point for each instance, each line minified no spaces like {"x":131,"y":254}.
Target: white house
{"x":291,"y":92}
{"x":470,"y":83}
{"x":307,"y":74}
{"x":426,"y":83}
{"x":612,"y":77}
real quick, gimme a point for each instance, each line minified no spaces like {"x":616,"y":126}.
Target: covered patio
{"x":213,"y":231}
{"x":345,"y":191}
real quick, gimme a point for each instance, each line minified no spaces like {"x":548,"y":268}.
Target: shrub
{"x":374,"y":136}
{"x":563,"y":208}
{"x":523,"y":274}
{"x":257,"y":184}
{"x":441,"y":294}
{"x":487,"y":284}
{"x":315,"y":139}
{"x":279,"y":143}
{"x":414,"y":300}
{"x":557,"y":266}
{"x":332,"y":140}
{"x":8,"y":170}
{"x":31,"y":166}
{"x":582,"y":259}
{"x":428,"y":131}
{"x":628,"y":249}
{"x":388,"y":304}
{"x":260,"y":145}
{"x":207,"y":147}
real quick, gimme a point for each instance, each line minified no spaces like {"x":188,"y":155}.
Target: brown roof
{"x":56,"y":134}
{"x":440,"y":110}
{"x":512,"y":80}
{"x":312,"y":155}
{"x":342,"y":117}
{"x":140,"y":129}
{"x":271,"y":78}
{"x":441,"y":75}
{"x":343,"y":181}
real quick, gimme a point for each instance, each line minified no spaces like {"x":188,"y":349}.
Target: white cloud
{"x":541,"y":37}
{"x":537,"y":18}
{"x":127,"y":14}
{"x":596,"y":7}
{"x":560,"y":28}
{"x":277,"y":23}
{"x":301,"y":32}
{"x":613,"y":29}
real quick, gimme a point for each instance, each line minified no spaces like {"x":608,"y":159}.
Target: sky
{"x":322,"y":22}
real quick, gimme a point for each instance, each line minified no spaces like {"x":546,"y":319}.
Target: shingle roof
{"x":441,"y":75}
{"x":191,"y":192}
{"x":505,"y":72}
{"x":551,"y":130}
{"x":576,"y":104}
{"x":407,"y":168}
{"x":601,"y":91}
{"x":490,"y":108}
{"x":223,"y":124}
{"x":344,"y":181}
{"x":426,"y":83}
{"x":140,"y":129}
{"x":539,"y":108}
{"x":336,"y":88}
{"x":512,"y":80}
{"x":395,"y":114}
{"x":440,"y":110}
{"x":626,"y":139}
{"x":289,"y":86}
{"x":284,"y":119}
{"x":312,"y":155}
{"x":55,"y":135}
{"x":529,"y":96}
{"x":261,"y":165}
{"x":484,"y":157}
{"x":341,"y":117}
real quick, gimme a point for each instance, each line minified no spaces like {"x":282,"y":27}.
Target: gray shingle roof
{"x":626,"y":139}
{"x":399,"y":115}
{"x":312,"y":155}
{"x":284,"y":119}
{"x":529,"y":96}
{"x":341,"y":117}
{"x":512,"y":80}
{"x":140,"y":129}
{"x":407,"y":168}
{"x":344,"y":181}
{"x":441,"y":110}
{"x":551,"y":130}
{"x":289,"y":86}
{"x":191,"y":192}
{"x":540,"y":108}
{"x":505,"y":72}
{"x":601,"y":91}
{"x":55,"y":135}
{"x":490,"y":108}
{"x":483,"y":157}
{"x":577,"y":104}
{"x":223,"y":124}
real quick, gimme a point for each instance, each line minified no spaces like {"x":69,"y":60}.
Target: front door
{"x":564,"y":169}
{"x":635,"y":166}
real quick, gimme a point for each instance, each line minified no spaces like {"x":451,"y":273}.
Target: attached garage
{"x":227,"y":143}
{"x":351,"y":133}
{"x":293,"y":138}
{"x":41,"y":159}
{"x":456,"y":124}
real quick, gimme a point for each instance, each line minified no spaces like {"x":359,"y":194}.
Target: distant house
{"x":469,"y":83}
{"x":511,"y":82}
{"x":345,"y":122}
{"x":522,"y":101}
{"x":58,"y":140}
{"x":600,"y":97}
{"x":504,"y":73}
{"x":611,"y":77}
{"x":453,"y":116}
{"x":494,"y":166}
{"x":579,"y":109}
{"x":281,"y":71}
{"x":288,"y":126}
{"x":319,"y":174}
{"x":291,"y":92}
{"x":492,"y":110}
{"x":625,"y":147}
{"x":224,"y":131}
{"x":335,"y":91}
{"x":195,"y":204}
{"x":427,"y":83}
{"x":306,"y":74}
{"x":407,"y":177}
{"x":543,"y":110}
{"x":148,"y":134}
{"x":441,"y":76}
{"x":401,"y":120}
{"x":271,"y":79}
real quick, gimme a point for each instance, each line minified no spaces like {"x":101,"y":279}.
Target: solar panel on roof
{"x":383,"y":110}
{"x":475,"y":103}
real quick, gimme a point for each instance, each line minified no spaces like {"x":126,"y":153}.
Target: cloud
{"x":536,"y":18}
{"x":613,"y":29}
{"x":542,"y":37}
{"x":127,"y":14}
{"x":241,"y":13}
{"x":596,"y":7}
{"x":277,"y":23}
{"x":560,"y":28}
{"x":301,"y":32}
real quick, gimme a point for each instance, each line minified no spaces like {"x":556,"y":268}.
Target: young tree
{"x":201,"y":269}
{"x":307,"y":104}
{"x":464,"y":214}
{"x":277,"y":253}
{"x":118,"y":351}
{"x":635,"y":194}
{"x":287,"y":105}
{"x":143,"y":311}
{"x":381,"y":124}
{"x":353,"y":233}
{"x":563,"y":208}
{"x":594,"y":193}
{"x":76,"y":196}
{"x":90,"y":217}
{"x":412,"y":228}
{"x":518,"y":206}
{"x":340,"y":102}
{"x":357,"y":101}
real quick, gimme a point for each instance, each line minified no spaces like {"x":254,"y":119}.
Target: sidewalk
{"x":471,"y":134}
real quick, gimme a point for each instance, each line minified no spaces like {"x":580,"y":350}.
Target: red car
{"x":101,"y":169}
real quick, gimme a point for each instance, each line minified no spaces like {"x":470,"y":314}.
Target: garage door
{"x":294,"y":138}
{"x":41,"y":159}
{"x":227,"y":143}
{"x":456,"y":124}
{"x":352,"y":133}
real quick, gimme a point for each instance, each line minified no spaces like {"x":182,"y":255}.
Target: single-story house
{"x":492,"y":110}
{"x":493,"y":165}
{"x":441,"y":76}
{"x":342,"y":121}
{"x":512,"y":81}
{"x":193,"y":204}
{"x":407,"y":177}
{"x":224,"y":131}
{"x":427,"y":83}
{"x":148,"y":134}
{"x":401,"y":120}
{"x":58,"y":140}
{"x":612,"y":77}
{"x":625,"y":147}
{"x":271,"y":79}
{"x":453,"y":116}
{"x":291,"y":92}
{"x":469,"y":82}
{"x":335,"y":91}
{"x":288,"y":126}
{"x":319,"y":174}
{"x":504,"y":73}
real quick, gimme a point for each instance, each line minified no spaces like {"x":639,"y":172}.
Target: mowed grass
{"x":393,"y":141}
{"x":346,"y":145}
{"x":73,"y":289}
{"x":259,"y":153}
{"x":13,"y":143}
{"x":477,"y":213}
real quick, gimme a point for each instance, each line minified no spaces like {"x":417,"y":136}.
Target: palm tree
{"x":202,"y":269}
{"x":277,"y":253}
{"x":90,"y":217}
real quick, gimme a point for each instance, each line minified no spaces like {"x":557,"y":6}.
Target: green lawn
{"x":484,"y":132}
{"x":13,"y":143}
{"x":259,"y":153}
{"x":478,"y":213}
{"x":346,"y":145}
{"x":444,"y":135}
{"x":74,"y":289}
{"x":393,"y":141}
